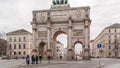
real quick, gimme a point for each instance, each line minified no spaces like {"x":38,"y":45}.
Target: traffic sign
{"x":99,"y":45}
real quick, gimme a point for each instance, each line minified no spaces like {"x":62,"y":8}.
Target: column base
{"x":49,"y":52}
{"x":86,"y":54}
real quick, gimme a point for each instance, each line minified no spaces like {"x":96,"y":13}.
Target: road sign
{"x":99,"y":45}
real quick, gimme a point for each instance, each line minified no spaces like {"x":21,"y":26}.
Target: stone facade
{"x":72,"y":21}
{"x":19,"y":43}
{"x":3,"y":47}
{"x":110,"y":40}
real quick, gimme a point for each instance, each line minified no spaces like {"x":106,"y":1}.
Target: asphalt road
{"x":61,"y":64}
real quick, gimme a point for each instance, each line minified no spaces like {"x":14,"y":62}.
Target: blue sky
{"x":17,"y":14}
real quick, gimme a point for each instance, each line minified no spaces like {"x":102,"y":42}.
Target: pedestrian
{"x":27,"y":58}
{"x":36,"y":59}
{"x":33,"y":59}
{"x":72,"y":57}
{"x":49,"y":58}
{"x":40,"y":58}
{"x":8,"y":57}
{"x":60,"y":57}
{"x":76,"y":58}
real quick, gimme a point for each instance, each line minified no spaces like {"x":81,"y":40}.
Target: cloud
{"x":17,"y":14}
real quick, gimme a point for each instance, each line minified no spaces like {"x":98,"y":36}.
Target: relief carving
{"x":42,"y":33}
{"x":77,"y":32}
{"x":41,"y":17}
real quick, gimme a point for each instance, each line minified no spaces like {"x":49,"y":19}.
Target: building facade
{"x":3,"y":47}
{"x":19,"y":43}
{"x":61,"y":18}
{"x":110,"y":40}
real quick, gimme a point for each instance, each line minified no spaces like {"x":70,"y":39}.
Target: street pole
{"x":99,"y":46}
{"x":99,"y":59}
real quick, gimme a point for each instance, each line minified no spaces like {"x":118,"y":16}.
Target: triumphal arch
{"x":61,"y":18}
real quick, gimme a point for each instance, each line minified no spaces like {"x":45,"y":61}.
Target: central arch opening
{"x":42,"y":49}
{"x":61,"y":44}
{"x":78,"y":50}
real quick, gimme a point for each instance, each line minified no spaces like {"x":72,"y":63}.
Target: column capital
{"x":86,"y":26}
{"x":34,"y":29}
{"x":70,"y":27}
{"x":49,"y":28}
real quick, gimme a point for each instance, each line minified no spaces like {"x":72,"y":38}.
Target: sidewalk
{"x":113,"y":66}
{"x":44,"y":63}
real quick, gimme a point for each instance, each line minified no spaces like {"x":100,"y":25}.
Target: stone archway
{"x":42,"y":49}
{"x":60,"y":44}
{"x":74,"y":22}
{"x":78,"y":49}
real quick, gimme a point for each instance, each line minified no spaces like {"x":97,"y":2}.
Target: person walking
{"x":60,"y":57}
{"x":49,"y":58}
{"x":27,"y":58}
{"x":33,"y":59}
{"x":40,"y":58}
{"x":36,"y":59}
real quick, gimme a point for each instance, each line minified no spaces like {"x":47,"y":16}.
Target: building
{"x":3,"y":47}
{"x":19,"y":43}
{"x":92,"y":48}
{"x":61,"y":19}
{"x":110,"y":40}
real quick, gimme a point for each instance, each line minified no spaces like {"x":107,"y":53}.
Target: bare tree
{"x":2,"y":35}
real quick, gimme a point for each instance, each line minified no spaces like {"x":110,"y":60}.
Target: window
{"x":19,"y":39}
{"x":24,"y":53}
{"x":14,"y":46}
{"x":15,"y":53}
{"x":115,"y":30}
{"x":109,"y":47}
{"x":109,"y":36}
{"x":115,"y":36}
{"x":109,"y":41}
{"x":24,"y":38}
{"x":19,"y":53}
{"x":15,"y":39}
{"x":10,"y":53}
{"x":109,"y":30}
{"x":10,"y":39}
{"x":109,"y":53}
{"x":10,"y":47}
{"x":24,"y":46}
{"x":19,"y":46}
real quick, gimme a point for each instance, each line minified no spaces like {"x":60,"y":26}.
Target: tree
{"x":54,"y":2}
{"x":2,"y":35}
{"x":66,"y":1}
{"x":57,"y":1}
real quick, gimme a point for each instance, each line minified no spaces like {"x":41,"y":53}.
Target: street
{"x":58,"y":64}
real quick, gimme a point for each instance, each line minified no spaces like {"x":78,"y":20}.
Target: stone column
{"x":48,"y":37}
{"x":86,"y":48}
{"x":34,"y":35}
{"x":70,"y":50}
{"x":34,"y":46}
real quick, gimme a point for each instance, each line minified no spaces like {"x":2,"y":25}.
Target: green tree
{"x":62,"y":1}
{"x":58,"y":2}
{"x":66,"y":1}
{"x":54,"y":2}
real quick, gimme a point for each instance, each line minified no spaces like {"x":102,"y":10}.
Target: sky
{"x":17,"y":14}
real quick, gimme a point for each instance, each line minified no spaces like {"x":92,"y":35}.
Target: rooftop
{"x":116,"y":25}
{"x":17,"y":32}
